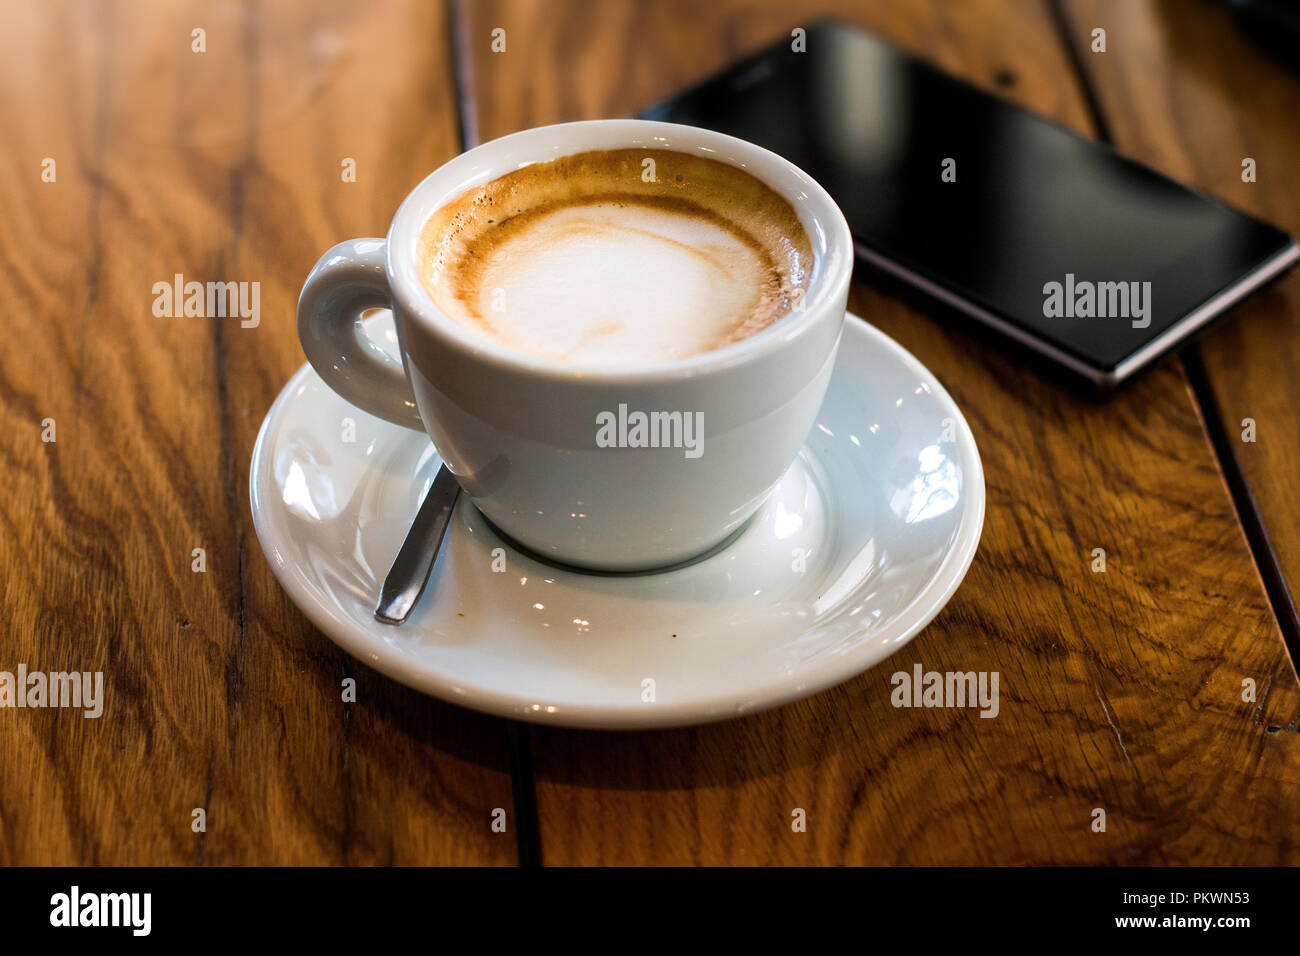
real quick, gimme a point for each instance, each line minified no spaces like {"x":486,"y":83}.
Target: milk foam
{"x":585,"y":262}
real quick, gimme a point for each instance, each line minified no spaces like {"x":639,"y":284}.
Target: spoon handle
{"x":410,"y":571}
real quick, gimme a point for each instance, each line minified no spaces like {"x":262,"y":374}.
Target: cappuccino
{"x":617,"y":257}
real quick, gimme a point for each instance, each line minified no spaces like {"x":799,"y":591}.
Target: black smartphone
{"x":1092,"y":261}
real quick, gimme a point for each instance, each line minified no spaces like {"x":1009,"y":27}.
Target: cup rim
{"x":824,"y":222}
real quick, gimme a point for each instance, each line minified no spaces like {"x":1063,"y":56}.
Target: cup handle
{"x":348,"y":280}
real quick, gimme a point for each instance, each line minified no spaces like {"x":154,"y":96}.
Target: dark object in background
{"x":1273,"y":25}
{"x":1031,"y":203}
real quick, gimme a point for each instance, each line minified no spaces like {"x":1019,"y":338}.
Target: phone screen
{"x":1055,"y":234}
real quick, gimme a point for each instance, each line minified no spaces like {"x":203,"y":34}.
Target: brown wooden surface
{"x":219,"y":693}
{"x":1191,"y":96}
{"x":1119,"y":690}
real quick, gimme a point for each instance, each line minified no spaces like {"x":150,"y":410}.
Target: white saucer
{"x":885,"y":504}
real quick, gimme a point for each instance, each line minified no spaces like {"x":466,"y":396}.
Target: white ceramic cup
{"x":520,"y":433}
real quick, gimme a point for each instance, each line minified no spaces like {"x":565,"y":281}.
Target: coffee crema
{"x":590,"y":259}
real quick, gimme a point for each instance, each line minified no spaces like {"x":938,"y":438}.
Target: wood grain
{"x":217,"y":165}
{"x":1120,"y":691}
{"x":1187,"y":92}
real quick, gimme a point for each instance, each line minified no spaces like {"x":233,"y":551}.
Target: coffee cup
{"x":559,"y":448}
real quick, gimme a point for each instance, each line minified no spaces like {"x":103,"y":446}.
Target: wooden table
{"x":1121,"y":690}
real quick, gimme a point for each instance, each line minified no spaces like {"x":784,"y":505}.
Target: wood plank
{"x":1119,"y":690}
{"x":219,"y":694}
{"x":1188,"y":93}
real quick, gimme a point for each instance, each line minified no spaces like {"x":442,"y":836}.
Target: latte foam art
{"x":583,"y":260}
